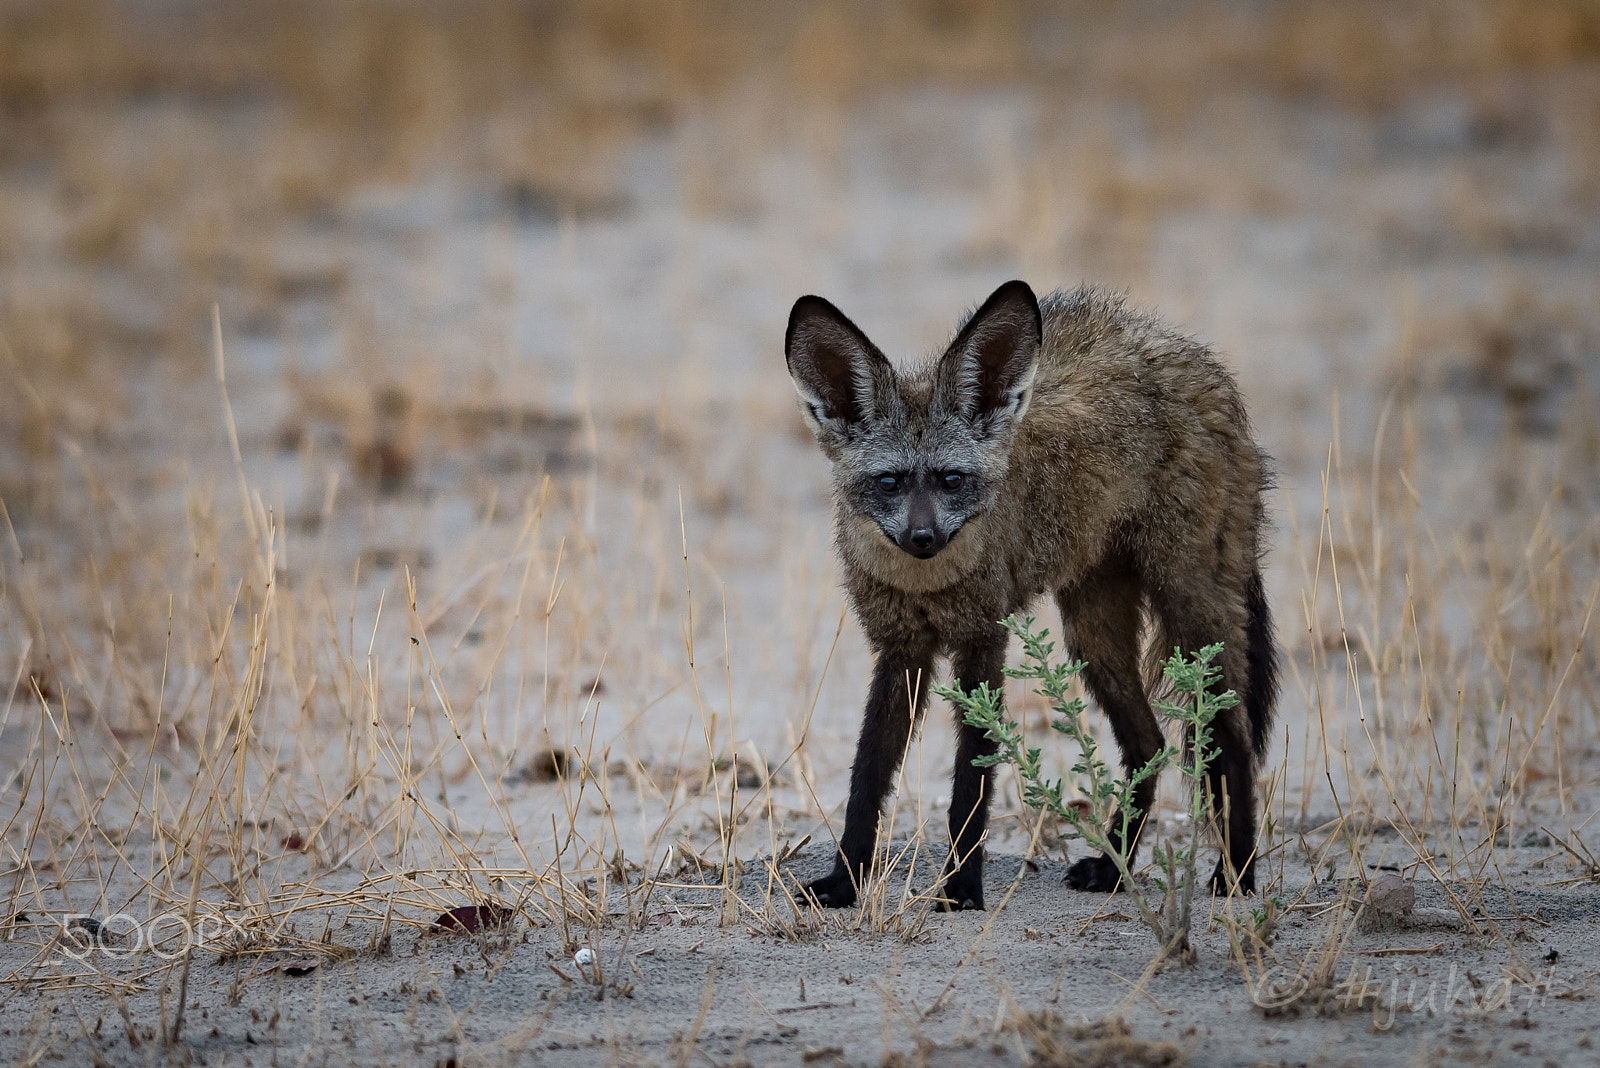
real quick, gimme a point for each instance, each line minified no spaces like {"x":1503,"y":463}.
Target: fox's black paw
{"x":1222,"y":884}
{"x":1095,"y":874}
{"x":833,"y":891}
{"x":959,"y":892}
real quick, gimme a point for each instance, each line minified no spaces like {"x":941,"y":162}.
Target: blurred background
{"x":499,"y":293}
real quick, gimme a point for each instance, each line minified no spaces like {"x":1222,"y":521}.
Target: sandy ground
{"x":554,"y":400}
{"x":678,"y":980}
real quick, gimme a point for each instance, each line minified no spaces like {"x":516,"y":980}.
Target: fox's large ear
{"x":987,"y":372}
{"x":838,"y":373}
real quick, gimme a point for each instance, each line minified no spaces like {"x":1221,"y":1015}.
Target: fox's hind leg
{"x":1192,"y":618}
{"x":1101,"y":614}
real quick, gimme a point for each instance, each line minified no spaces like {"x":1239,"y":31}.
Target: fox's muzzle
{"x":922,"y":542}
{"x":921,"y":536}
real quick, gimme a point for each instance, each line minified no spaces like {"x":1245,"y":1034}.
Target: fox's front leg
{"x":971,"y":786}
{"x":894,"y":702}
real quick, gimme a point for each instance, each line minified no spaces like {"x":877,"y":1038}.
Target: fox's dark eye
{"x":888,"y":483}
{"x":952,"y":481}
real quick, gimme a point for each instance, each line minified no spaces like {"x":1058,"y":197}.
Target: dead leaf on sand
{"x":473,"y":918}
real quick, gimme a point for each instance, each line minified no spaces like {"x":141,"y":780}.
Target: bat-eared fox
{"x":1067,"y":446}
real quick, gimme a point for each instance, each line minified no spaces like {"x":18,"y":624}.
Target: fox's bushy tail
{"x":1261,"y":664}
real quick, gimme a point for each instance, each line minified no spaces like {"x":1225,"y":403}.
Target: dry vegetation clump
{"x":1102,"y":1044}
{"x":411,"y":563}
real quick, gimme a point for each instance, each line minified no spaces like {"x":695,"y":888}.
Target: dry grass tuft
{"x":1102,"y":1044}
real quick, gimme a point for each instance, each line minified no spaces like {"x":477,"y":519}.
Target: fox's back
{"x":1136,"y":438}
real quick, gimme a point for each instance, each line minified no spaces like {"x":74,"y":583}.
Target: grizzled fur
{"x":1070,"y":447}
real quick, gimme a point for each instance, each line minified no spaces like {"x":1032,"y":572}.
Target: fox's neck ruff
{"x":863,"y":546}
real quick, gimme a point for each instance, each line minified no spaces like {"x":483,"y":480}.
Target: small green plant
{"x":1263,"y":919}
{"x":1103,"y":814}
{"x":1194,"y":706}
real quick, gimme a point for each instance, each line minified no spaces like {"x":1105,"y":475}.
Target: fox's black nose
{"x":922,"y":538}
